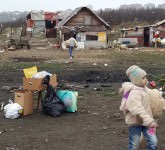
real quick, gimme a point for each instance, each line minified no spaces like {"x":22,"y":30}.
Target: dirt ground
{"x":97,"y":125}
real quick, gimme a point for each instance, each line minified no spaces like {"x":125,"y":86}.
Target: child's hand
{"x":153,"y":125}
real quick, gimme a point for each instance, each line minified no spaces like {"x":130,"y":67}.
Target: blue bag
{"x":69,"y":98}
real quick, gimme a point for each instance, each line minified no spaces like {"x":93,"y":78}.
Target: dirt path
{"x":97,"y":125}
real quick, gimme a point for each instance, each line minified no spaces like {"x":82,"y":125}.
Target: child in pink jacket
{"x":137,"y":109}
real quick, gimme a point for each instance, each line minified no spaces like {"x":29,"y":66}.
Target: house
{"x":145,"y":34}
{"x":88,"y":28}
{"x":40,"y":21}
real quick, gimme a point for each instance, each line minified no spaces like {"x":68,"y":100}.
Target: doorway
{"x":146,"y":36}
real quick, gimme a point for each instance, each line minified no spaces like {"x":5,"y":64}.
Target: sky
{"x":54,"y":5}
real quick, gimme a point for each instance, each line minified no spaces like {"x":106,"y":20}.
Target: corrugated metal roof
{"x":62,"y":14}
{"x":159,"y":23}
{"x":74,"y":12}
{"x":141,"y":27}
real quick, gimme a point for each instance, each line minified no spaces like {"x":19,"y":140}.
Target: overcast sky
{"x":54,"y":5}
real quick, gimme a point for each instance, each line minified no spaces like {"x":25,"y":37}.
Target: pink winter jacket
{"x":138,"y":105}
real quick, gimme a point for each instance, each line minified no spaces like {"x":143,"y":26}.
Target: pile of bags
{"x":56,"y":102}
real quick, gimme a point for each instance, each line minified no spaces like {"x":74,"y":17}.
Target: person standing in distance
{"x":72,"y":44}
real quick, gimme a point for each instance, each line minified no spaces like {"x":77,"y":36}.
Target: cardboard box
{"x":25,"y":99}
{"x":36,"y":84}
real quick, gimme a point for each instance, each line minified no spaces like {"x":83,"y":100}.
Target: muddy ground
{"x":97,"y":125}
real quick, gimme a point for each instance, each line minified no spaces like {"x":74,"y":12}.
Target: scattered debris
{"x":2,"y":51}
{"x":10,"y":88}
{"x":94,"y":64}
{"x":11,"y":49}
{"x":106,"y":85}
{"x":97,"y":89}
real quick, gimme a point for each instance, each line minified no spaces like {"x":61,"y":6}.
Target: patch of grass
{"x":108,"y":92}
{"x":137,"y":56}
{"x":152,"y":62}
{"x":40,"y":66}
{"x":8,"y":66}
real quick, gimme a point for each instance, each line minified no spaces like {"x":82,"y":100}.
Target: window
{"x":91,"y":37}
{"x":87,"y":20}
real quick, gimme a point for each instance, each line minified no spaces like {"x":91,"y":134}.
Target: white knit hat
{"x":135,"y":74}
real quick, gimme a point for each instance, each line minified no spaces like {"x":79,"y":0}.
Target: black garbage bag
{"x":51,"y":104}
{"x":46,"y":80}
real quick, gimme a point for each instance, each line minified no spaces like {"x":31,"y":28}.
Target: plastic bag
{"x":51,"y":105}
{"x":12,"y":110}
{"x":41,"y":74}
{"x":69,"y":98}
{"x":29,"y":72}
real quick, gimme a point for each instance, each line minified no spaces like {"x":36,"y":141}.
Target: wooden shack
{"x":145,"y":34}
{"x":41,"y":21}
{"x":88,"y":28}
